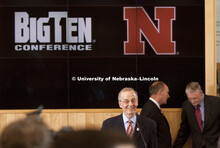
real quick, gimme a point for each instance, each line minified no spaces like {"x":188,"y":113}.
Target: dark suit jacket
{"x":189,"y":124}
{"x":150,"y":110}
{"x":145,"y":134}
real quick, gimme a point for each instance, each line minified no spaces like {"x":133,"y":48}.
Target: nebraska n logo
{"x":139,"y":23}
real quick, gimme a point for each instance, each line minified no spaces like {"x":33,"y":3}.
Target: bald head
{"x":155,"y":87}
{"x":159,"y":91}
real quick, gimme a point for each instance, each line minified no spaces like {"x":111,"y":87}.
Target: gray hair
{"x":125,"y":90}
{"x":192,"y":87}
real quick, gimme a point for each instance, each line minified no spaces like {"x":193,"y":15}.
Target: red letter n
{"x":139,"y":23}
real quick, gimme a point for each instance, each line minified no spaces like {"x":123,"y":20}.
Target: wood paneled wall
{"x":85,"y":118}
{"x":210,"y":47}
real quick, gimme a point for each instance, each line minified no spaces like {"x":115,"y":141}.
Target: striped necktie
{"x":129,"y":129}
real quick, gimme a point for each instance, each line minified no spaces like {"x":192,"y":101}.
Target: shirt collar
{"x":155,"y":102}
{"x":125,"y":119}
{"x":201,"y":103}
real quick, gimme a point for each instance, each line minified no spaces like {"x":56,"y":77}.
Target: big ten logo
{"x":32,"y":29}
{"x":55,"y":32}
{"x":159,"y":37}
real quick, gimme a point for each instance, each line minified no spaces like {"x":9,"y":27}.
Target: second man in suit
{"x":159,"y":93}
{"x":200,"y":117}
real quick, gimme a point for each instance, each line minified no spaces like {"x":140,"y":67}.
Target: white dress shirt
{"x":133,"y":122}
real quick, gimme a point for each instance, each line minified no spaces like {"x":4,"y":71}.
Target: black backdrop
{"x":31,"y":78}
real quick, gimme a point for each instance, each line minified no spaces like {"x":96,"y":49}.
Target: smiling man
{"x":141,"y":130}
{"x":200,"y":117}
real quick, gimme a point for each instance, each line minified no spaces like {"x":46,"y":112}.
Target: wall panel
{"x":85,"y":118}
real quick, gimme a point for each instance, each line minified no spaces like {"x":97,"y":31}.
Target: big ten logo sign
{"x":159,"y":37}
{"x":36,"y":33}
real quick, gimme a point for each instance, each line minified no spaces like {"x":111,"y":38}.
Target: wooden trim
{"x":85,"y":118}
{"x":210,"y":47}
{"x":80,"y":110}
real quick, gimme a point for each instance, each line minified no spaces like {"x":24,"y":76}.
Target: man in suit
{"x":200,"y":117}
{"x":141,"y":130}
{"x":159,"y":93}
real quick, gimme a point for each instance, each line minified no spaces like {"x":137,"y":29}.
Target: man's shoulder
{"x":149,"y":106}
{"x":186,"y":103}
{"x":113,"y":118}
{"x":146,"y":120}
{"x":214,"y":100}
{"x":186,"y":106}
{"x":115,"y":122}
{"x":148,"y":103}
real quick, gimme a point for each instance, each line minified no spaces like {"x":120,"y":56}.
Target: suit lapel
{"x":154,"y":106}
{"x":207,"y":110}
{"x":192,"y":114}
{"x":166,"y":121}
{"x":137,"y":129}
{"x":159,"y":111}
{"x":120,"y":123}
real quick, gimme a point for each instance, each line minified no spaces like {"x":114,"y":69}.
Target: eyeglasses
{"x":133,"y":101}
{"x":195,"y":97}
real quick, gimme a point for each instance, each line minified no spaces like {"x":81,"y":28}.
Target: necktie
{"x":198,"y":117}
{"x":129,"y":129}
